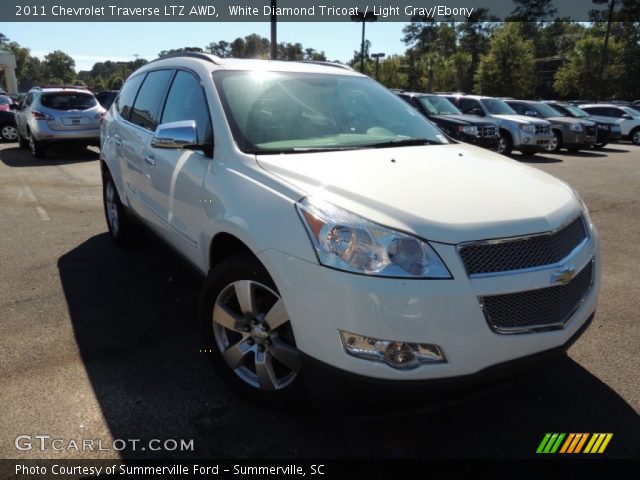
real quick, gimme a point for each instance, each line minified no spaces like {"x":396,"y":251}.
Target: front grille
{"x":542,"y":130}
{"x":542,"y":309}
{"x":591,"y":130}
{"x":487,"y":131}
{"x":520,"y":253}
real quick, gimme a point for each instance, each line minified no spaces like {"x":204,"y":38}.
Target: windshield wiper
{"x":299,"y":150}
{"x":399,"y":142}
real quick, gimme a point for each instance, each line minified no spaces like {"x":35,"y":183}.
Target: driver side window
{"x":186,"y":101}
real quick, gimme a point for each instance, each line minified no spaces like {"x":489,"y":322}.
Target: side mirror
{"x":530,"y":113}
{"x":176,"y":135}
{"x":626,"y":116}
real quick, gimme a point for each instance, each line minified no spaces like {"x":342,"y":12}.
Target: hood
{"x":464,"y":120}
{"x":570,"y":121}
{"x":444,"y":193}
{"x":521,"y":119}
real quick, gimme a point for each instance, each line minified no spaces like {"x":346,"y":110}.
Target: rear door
{"x":174,"y":183}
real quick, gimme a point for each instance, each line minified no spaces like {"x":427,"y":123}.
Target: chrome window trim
{"x":520,"y":271}
{"x":541,"y":327}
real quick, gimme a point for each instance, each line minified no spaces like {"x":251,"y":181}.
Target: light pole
{"x":377,"y":56}
{"x":603,"y":54}
{"x":361,"y":17}
{"x":274,"y":31}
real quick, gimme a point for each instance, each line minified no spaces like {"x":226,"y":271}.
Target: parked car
{"x":8,"y":131}
{"x":517,"y":132}
{"x":451,"y":121}
{"x":106,"y":98}
{"x":5,"y":103}
{"x":345,"y":242}
{"x":606,"y":131}
{"x":570,"y":133}
{"x":58,"y":115}
{"x":627,"y":117}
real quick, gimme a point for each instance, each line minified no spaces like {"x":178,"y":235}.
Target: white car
{"x":628,"y":118}
{"x":344,"y":239}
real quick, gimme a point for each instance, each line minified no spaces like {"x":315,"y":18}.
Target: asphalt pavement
{"x":100,"y":343}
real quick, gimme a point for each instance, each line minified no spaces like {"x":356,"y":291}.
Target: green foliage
{"x":578,"y":77}
{"x":60,"y":66}
{"x":508,"y":68}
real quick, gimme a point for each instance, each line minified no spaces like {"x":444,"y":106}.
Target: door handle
{"x":150,"y":159}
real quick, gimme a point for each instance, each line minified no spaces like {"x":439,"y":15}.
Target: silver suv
{"x":58,"y":114}
{"x":517,"y":132}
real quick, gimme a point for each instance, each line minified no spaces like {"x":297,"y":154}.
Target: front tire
{"x":555,"y":144}
{"x":505,"y":144}
{"x":247,"y":334}
{"x":635,"y":136}
{"x":122,"y":230}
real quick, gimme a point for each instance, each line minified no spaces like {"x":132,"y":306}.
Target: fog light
{"x":402,"y":355}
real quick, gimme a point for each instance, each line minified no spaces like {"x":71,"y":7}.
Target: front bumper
{"x":530,"y":141}
{"x":577,"y":140}
{"x":321,"y":302}
{"x":331,"y":388}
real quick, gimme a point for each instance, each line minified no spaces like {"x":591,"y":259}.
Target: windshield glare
{"x":576,"y":112}
{"x":546,"y":110}
{"x":271,"y":112}
{"x":497,"y":107}
{"x":439,"y":105}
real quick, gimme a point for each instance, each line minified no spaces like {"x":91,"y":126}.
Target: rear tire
{"x":122,"y":230}
{"x":37,"y":148}
{"x":247,"y":334}
{"x":22,"y":142}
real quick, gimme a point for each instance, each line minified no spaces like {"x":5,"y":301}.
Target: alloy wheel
{"x":253,"y":333}
{"x":9,"y":133}
{"x":112,"y":208}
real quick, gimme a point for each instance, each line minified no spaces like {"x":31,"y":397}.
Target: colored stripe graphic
{"x":555,"y":443}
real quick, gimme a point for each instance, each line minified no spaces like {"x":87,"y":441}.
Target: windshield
{"x":497,"y":107}
{"x":632,"y":111}
{"x":69,"y":101}
{"x":576,"y":112}
{"x":545,"y":110}
{"x":439,"y":105}
{"x":272,"y":112}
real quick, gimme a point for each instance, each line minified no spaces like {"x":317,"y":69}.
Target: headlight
{"x":345,"y":241}
{"x":468,"y":129}
{"x":576,"y":127}
{"x":529,"y":128}
{"x":585,"y":210}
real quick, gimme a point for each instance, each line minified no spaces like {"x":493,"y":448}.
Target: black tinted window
{"x":467,"y":105}
{"x":128,"y":95}
{"x":68,"y":101}
{"x":520,"y":108}
{"x":186,"y":101}
{"x":615,"y":112}
{"x":146,"y":109}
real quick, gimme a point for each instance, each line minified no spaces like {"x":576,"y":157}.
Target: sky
{"x":89,"y":43}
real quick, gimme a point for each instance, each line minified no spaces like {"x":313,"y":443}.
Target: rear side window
{"x":469,"y":104}
{"x":127,"y":96}
{"x":146,"y":109}
{"x":598,"y":111}
{"x":68,"y":101}
{"x":186,"y":101}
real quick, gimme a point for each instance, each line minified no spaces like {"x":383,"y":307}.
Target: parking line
{"x":42,"y":213}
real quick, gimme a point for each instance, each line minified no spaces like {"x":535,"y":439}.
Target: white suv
{"x":342,"y":236}
{"x":628,"y":118}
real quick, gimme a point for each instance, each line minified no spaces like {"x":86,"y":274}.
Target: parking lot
{"x":102,"y":343}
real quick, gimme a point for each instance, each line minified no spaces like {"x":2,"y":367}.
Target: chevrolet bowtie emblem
{"x":564,"y":275}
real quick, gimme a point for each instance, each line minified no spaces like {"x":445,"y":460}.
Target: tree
{"x":508,"y":68}
{"x":221,"y":49}
{"x":311,"y":54}
{"x":60,"y":66}
{"x":171,"y":51}
{"x":578,"y":77}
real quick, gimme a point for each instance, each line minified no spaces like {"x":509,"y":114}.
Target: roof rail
{"x":328,"y":64}
{"x":201,"y":55}
{"x":77,"y":87}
